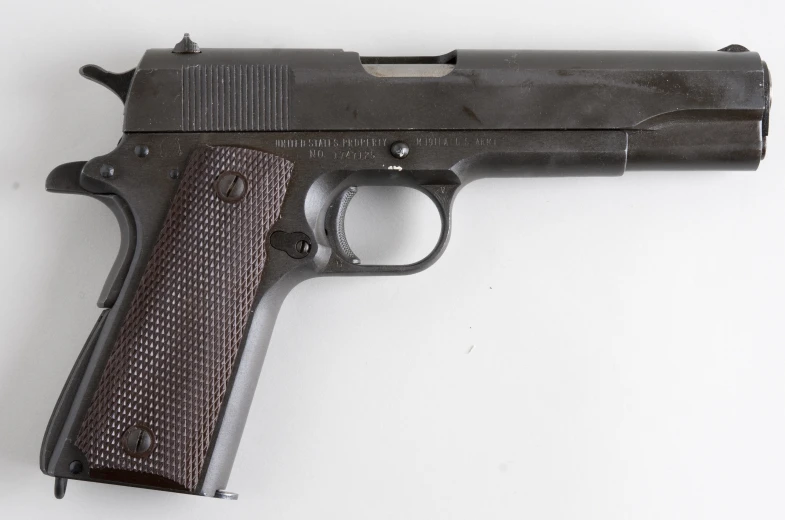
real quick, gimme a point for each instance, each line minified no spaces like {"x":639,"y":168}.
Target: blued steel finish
{"x":481,"y":114}
{"x":313,"y":90}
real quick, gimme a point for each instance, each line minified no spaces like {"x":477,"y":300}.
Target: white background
{"x":586,"y":348}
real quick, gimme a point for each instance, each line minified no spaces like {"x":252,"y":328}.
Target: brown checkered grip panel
{"x":171,"y":364}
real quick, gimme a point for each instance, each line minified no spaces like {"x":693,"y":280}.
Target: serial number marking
{"x":343,"y":155}
{"x":351,"y":155}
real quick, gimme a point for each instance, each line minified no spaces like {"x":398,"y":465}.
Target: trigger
{"x":334,"y":225}
{"x":65,"y":179}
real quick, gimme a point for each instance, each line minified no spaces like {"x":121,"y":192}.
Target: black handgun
{"x":232,"y":180}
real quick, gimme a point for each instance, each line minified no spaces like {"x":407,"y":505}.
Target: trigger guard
{"x":439,"y":186}
{"x":334,"y":225}
{"x":65,"y":179}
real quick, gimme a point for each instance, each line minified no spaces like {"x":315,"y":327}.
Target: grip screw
{"x":399,"y":149}
{"x":75,"y":467}
{"x":138,"y":441}
{"x":107,"y":171}
{"x":231,"y":186}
